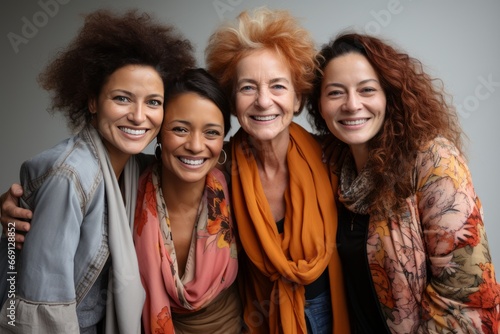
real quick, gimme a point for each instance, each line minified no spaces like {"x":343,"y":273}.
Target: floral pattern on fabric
{"x":219,"y":227}
{"x":431,"y":266}
{"x":212,"y":261}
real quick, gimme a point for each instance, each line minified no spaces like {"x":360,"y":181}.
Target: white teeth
{"x":132,"y":131}
{"x":192,"y":162}
{"x":265,"y":118}
{"x":356,"y":122}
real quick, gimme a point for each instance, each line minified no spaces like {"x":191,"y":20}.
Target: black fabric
{"x":364,"y":309}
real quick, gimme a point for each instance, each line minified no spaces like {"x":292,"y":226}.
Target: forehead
{"x":193,"y":107}
{"x":135,"y":76}
{"x":351,"y":65}
{"x":263,"y":63}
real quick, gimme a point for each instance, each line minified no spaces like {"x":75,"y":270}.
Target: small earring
{"x":158,"y":151}
{"x":225,"y":158}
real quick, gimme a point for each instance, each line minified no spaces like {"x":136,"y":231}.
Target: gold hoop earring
{"x":225,"y":158}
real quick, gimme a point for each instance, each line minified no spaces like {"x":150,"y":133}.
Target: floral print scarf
{"x":212,"y":262}
{"x":355,"y":191}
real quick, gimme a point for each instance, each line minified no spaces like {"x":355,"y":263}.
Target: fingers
{"x":16,"y":190}
{"x":13,"y":218}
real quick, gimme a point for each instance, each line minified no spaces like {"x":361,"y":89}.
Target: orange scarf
{"x":280,"y":265}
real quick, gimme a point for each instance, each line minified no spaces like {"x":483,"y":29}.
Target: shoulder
{"x":439,"y":159}
{"x":439,"y":146}
{"x":74,"y":158}
{"x":439,"y":151}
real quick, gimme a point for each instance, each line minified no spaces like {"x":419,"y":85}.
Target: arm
{"x":462,"y":293}
{"x":11,"y":212}
{"x":45,"y":297}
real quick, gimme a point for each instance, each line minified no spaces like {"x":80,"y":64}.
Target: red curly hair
{"x":417,"y":111}
{"x":275,"y":30}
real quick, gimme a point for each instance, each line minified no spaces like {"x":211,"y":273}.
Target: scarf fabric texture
{"x":355,"y":192}
{"x":280,"y":265}
{"x":124,"y":304}
{"x":212,"y":262}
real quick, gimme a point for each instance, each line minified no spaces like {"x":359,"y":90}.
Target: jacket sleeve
{"x":45,"y":296}
{"x":462,"y":293}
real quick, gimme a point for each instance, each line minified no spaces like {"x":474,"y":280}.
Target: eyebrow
{"x":362,"y":82}
{"x":189,"y":123}
{"x":274,"y":80}
{"x":126,"y":92}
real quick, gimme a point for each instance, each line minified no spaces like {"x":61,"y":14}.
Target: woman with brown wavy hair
{"x":411,"y":236}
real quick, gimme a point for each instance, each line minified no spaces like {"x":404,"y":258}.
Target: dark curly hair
{"x":107,"y":42}
{"x":417,"y":111}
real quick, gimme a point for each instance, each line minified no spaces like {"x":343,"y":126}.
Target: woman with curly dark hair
{"x":78,"y":270}
{"x":411,"y":236}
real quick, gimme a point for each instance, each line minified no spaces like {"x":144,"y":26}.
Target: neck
{"x":118,"y":163}
{"x":360,"y":155}
{"x":271,"y":155}
{"x":180,"y":195}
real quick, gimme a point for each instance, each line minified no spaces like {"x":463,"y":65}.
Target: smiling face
{"x":265,"y":96}
{"x":192,"y":136}
{"x":352,"y":101}
{"x":129,"y":111}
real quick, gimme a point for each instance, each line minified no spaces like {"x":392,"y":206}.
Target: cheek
{"x":216,"y":147}
{"x":242,"y":102}
{"x":168,"y":143}
{"x":326,"y":111}
{"x":157,"y":121}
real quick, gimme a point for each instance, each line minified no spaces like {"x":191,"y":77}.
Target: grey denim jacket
{"x":66,"y":248}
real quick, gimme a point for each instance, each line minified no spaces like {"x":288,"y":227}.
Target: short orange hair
{"x":275,"y":30}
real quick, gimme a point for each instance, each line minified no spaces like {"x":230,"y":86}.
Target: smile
{"x":192,"y":162}
{"x":132,"y":131}
{"x":264,"y":118}
{"x":356,"y":122}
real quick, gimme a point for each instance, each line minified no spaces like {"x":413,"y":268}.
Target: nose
{"x":264,"y":99}
{"x":137,"y":113}
{"x":195,"y":142}
{"x":353,"y":103}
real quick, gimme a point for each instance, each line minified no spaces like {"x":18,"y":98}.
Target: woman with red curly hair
{"x":411,"y":236}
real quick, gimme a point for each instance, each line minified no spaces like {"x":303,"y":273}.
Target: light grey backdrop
{"x":458,"y":41}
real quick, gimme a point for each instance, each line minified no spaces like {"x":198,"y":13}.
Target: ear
{"x":92,"y":105}
{"x":297,"y":102}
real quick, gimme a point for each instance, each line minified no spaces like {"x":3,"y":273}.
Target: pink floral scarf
{"x":212,"y":263}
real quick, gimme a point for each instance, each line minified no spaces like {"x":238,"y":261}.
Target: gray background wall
{"x":458,"y":41}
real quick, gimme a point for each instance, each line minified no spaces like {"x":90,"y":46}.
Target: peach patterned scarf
{"x":212,"y":263}
{"x":307,"y":246}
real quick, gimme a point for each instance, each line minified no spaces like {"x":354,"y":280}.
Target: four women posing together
{"x":387,"y":236}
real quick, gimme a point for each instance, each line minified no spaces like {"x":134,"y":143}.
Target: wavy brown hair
{"x":417,"y":111}
{"x":106,"y":42}
{"x":261,"y":29}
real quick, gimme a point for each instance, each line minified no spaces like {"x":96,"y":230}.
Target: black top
{"x":318,"y":286}
{"x":364,"y":309}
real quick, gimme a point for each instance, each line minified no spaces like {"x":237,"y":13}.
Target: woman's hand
{"x":14,"y":216}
